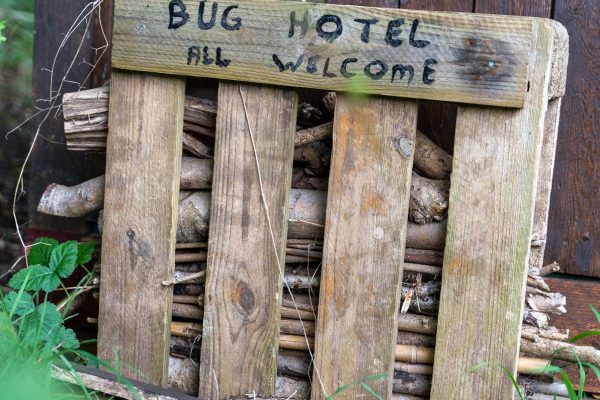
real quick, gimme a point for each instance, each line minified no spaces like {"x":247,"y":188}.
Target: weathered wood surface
{"x":374,"y":142}
{"x":488,"y":286}
{"x":574,"y":231}
{"x":138,"y":251}
{"x":254,"y":145}
{"x":558,"y":81}
{"x":479,"y":59}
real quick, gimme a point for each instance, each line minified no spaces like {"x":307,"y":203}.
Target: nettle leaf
{"x":49,"y":318}
{"x":66,"y":339}
{"x":39,"y":252}
{"x":18,"y":304}
{"x":34,"y":277}
{"x":85,"y":252}
{"x":63,"y":258}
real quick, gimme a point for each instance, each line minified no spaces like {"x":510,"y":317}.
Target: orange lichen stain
{"x":372,"y":204}
{"x":327,"y":286}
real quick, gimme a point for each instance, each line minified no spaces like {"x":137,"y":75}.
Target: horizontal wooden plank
{"x":466,"y":58}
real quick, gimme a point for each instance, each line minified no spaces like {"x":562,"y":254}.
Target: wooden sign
{"x":467,"y":58}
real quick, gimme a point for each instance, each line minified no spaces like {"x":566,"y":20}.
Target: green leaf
{"x":596,"y":313}
{"x":49,"y":318}
{"x":583,"y":335}
{"x":39,"y":252}
{"x":85,"y":252}
{"x":63,"y":258}
{"x":18,"y":303}
{"x":32,"y":278}
{"x":66,"y":339}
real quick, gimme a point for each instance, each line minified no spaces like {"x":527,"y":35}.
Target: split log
{"x":549,"y":303}
{"x":415,"y":339}
{"x":428,"y":199}
{"x":306,"y":213}
{"x":543,"y":347}
{"x":417,"y":323}
{"x":552,"y":333}
{"x":419,"y":369}
{"x":315,"y":157}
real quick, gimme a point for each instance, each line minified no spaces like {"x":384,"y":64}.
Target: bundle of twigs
{"x":85,"y":123}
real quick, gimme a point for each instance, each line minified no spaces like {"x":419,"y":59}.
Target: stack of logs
{"x":85,"y":123}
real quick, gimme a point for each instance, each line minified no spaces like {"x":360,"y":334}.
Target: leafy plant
{"x":2,"y":28}
{"x":33,"y":338}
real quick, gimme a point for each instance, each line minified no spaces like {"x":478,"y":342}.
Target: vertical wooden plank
{"x":558,"y":80}
{"x":495,"y":172}
{"x":143,"y":162}
{"x":531,"y":8}
{"x":246,"y":245}
{"x":365,"y":230}
{"x":574,"y":231}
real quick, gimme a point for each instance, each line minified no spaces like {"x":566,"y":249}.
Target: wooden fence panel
{"x":369,"y":189}
{"x":495,"y":172}
{"x":247,"y":238}
{"x":143,"y":162}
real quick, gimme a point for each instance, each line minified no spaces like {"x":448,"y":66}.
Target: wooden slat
{"x":369,"y":188}
{"x":143,"y":160}
{"x":480,"y":59}
{"x":242,"y":298}
{"x":493,"y":191}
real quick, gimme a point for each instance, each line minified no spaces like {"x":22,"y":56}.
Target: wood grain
{"x":464,"y":46}
{"x":574,"y":231}
{"x":143,"y":160}
{"x":365,"y":230}
{"x":484,"y":274}
{"x":438,"y":119}
{"x":246,"y":248}
{"x":560,"y":57}
{"x":532,"y":8}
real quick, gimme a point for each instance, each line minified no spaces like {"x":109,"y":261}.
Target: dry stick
{"x":429,"y":199}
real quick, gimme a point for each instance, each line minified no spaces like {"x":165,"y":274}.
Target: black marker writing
{"x":330,"y":36}
{"x":302,"y":24}
{"x":364,"y":35}
{"x":393,"y":32}
{"x":290,"y":65}
{"x":428,"y":71}
{"x":185,"y":17}
{"x":411,"y":38}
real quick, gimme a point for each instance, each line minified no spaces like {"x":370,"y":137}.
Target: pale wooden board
{"x":560,"y":58}
{"x":143,"y":161}
{"x":365,"y":230}
{"x":242,"y":297}
{"x":464,"y":46}
{"x":492,"y":197}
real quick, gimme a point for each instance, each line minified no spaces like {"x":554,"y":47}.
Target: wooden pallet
{"x":508,"y":75}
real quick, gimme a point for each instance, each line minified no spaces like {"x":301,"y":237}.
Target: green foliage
{"x":33,"y":338}
{"x":583,"y":367}
{"x":364,"y":383}
{"x":16,"y":55}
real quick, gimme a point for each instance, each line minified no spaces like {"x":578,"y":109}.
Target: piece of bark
{"x":314,"y":134}
{"x":428,"y":199}
{"x":196,"y":147}
{"x":535,"y":318}
{"x":537,"y":282}
{"x":550,"y":303}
